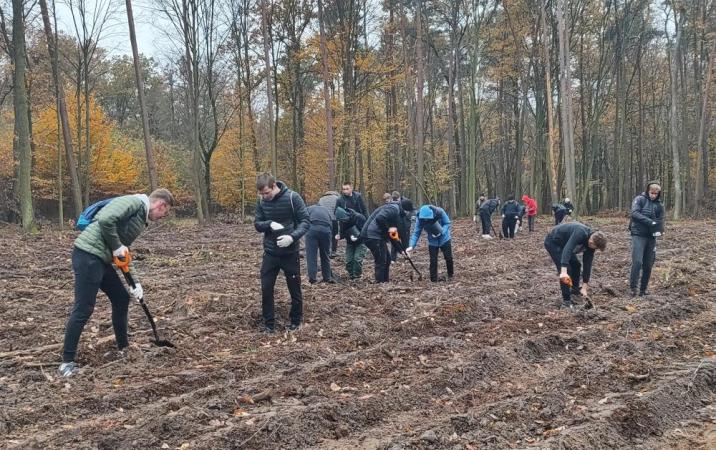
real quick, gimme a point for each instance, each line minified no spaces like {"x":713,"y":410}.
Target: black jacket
{"x":511,"y":210}
{"x":489,"y":206}
{"x":355,"y":219}
{"x":569,"y":207}
{"x":644,"y":212}
{"x":354,"y":202}
{"x":572,"y":238}
{"x":383,"y":218}
{"x":288,"y":209}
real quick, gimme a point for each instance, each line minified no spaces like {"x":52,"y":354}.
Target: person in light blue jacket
{"x":437,"y":225}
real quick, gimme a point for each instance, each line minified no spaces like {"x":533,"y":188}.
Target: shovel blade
{"x":163,"y":343}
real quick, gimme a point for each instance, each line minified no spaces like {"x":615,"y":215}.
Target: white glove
{"x":657,"y":234}
{"x":353,"y":238}
{"x":275,"y":226}
{"x":137,"y":291}
{"x":474,"y":218}
{"x":121,"y":252}
{"x":284,"y":241}
{"x":338,"y":237}
{"x":653,"y":223}
{"x":408,"y":250}
{"x":517,"y":217}
{"x":503,"y":216}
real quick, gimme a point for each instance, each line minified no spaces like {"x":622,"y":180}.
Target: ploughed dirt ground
{"x":485,"y":361}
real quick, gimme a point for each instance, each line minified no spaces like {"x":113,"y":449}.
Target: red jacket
{"x":530,"y":204}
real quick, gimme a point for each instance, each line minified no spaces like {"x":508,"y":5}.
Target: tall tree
{"x":151,"y":165}
{"x":567,"y":131}
{"x":331,"y":161}
{"x":21,"y":141}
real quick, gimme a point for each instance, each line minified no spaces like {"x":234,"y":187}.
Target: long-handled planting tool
{"x":123,"y":265}
{"x":396,"y":241}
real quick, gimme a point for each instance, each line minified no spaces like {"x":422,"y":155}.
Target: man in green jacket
{"x":111,"y":231}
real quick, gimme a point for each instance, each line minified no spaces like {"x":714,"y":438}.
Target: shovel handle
{"x":123,"y":263}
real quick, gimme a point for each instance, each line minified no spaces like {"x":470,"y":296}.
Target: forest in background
{"x":442,"y":100}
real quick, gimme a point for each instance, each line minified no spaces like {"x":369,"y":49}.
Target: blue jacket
{"x":442,"y":218}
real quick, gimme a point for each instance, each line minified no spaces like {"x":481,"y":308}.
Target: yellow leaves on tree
{"x":114,"y":167}
{"x":232,"y":169}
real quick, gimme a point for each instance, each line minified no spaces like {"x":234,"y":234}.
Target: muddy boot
{"x":568,"y":306}
{"x":645,"y":294}
{"x":633,"y":292}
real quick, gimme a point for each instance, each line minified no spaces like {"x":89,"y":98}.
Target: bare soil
{"x":484,"y":361}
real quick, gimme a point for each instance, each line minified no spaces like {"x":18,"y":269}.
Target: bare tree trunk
{"x":62,"y":106}
{"x":21,"y":141}
{"x":550,"y":121}
{"x":566,"y":102}
{"x":702,"y":161}
{"x":673,"y":119}
{"x":151,"y":166}
{"x":420,"y":134}
{"x":269,"y":85}
{"x":327,"y":101}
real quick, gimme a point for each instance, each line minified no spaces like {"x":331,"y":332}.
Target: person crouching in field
{"x":563,"y":244}
{"x":112,"y":230}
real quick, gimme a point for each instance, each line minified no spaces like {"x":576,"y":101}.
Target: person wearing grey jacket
{"x":329,"y":200}
{"x":107,"y":237}
{"x":282,"y":216}
{"x":318,"y":242}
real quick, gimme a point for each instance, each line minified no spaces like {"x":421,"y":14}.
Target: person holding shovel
{"x":282,"y":216}
{"x":647,"y":223}
{"x":381,"y":226}
{"x":563,"y":244}
{"x":109,"y":234}
{"x":350,"y":225}
{"x":437,"y":225}
{"x":485,"y":211}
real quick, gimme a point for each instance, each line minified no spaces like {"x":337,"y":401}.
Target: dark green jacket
{"x":120,"y":222}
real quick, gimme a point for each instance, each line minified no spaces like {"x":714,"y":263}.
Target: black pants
{"x":508,"y":227}
{"x":559,"y":217}
{"x":486,"y":219}
{"x":574,"y":270}
{"x":531,"y":222}
{"x":381,"y":259}
{"x":334,"y":232}
{"x":291,"y":267}
{"x":446,"y":248}
{"x":643,"y":255}
{"x":318,"y":241}
{"x":91,"y":275}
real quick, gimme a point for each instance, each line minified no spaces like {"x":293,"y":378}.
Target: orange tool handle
{"x":566,"y":280}
{"x":123,"y":264}
{"x":394,"y":235}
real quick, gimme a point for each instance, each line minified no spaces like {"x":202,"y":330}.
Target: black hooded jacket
{"x":288,"y":209}
{"x":489,"y":206}
{"x":647,"y":215}
{"x":383,"y":218}
{"x":355,"y":219}
{"x":573,"y":238}
{"x":511,"y":210}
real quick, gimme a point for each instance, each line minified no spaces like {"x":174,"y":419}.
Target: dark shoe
{"x":633,"y":292}
{"x":313,"y":281}
{"x":567,"y":305}
{"x":576,"y":292}
{"x":333,"y":255}
{"x":331,"y":281}
{"x":644,"y":293}
{"x":294,"y":327}
{"x":268,"y":329}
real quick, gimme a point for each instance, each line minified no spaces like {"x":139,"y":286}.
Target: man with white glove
{"x":350,"y":224}
{"x":282,"y":217}
{"x":113,"y":227}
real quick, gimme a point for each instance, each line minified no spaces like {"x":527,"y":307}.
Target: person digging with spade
{"x":436,"y":223}
{"x":563,"y":244}
{"x":112,"y":230}
{"x":385,"y":220}
{"x":282,"y":216}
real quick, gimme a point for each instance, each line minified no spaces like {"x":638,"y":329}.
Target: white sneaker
{"x":67,"y":369}
{"x":486,"y":236}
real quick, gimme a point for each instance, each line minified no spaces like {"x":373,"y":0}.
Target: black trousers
{"x":508,"y":227}
{"x":334,"y":232}
{"x":574,"y":270}
{"x":446,"y":248}
{"x":270,"y":267}
{"x":381,"y":259}
{"x":486,"y":220}
{"x":643,"y":255}
{"x":559,"y":217}
{"x":531,"y":222}
{"x":91,"y":275}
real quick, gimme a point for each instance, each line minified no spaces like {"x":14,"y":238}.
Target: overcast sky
{"x":115,"y":36}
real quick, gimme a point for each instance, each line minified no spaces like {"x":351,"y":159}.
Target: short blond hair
{"x":600,"y":240}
